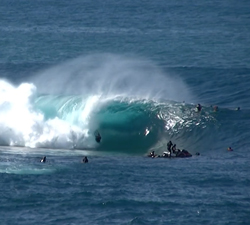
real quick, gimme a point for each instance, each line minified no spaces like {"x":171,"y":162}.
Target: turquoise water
{"x":134,"y":71}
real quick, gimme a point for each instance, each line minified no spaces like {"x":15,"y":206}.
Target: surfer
{"x":98,"y":137}
{"x":173,"y":148}
{"x":43,"y":160}
{"x":146,"y":132}
{"x":198,"y":107}
{"x":85,"y":160}
{"x":169,"y":145}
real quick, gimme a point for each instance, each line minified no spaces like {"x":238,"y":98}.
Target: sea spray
{"x":112,"y":75}
{"x":23,"y":125}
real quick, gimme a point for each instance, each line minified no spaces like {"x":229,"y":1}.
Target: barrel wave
{"x":123,"y":123}
{"x":126,"y":124}
{"x":135,"y":106}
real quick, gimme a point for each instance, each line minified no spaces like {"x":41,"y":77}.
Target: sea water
{"x":134,"y":72}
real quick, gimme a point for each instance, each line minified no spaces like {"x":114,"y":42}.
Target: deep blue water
{"x":68,"y":69}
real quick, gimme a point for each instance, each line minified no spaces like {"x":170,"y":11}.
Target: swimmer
{"x":229,"y":149}
{"x":85,"y":160}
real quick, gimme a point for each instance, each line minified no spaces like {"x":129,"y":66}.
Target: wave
{"x":126,"y":124}
{"x":132,"y":103}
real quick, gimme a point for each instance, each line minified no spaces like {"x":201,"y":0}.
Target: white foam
{"x":22,"y":125}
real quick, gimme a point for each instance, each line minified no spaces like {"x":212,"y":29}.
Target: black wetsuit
{"x":85,"y":159}
{"x":98,"y":138}
{"x":169,"y":145}
{"x":198,"y":107}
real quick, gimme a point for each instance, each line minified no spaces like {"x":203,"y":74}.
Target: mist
{"x":111,"y":75}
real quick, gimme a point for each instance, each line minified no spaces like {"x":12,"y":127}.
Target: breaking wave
{"x":131,"y":103}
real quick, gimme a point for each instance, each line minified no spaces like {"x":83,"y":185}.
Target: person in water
{"x":198,"y":107}
{"x":215,"y":108}
{"x":43,"y":160}
{"x":229,"y":149}
{"x":173,"y":148}
{"x":85,"y":160}
{"x":152,"y":154}
{"x":98,"y":137}
{"x":169,"y":145}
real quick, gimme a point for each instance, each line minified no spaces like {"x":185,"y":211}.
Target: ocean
{"x":134,"y":72}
